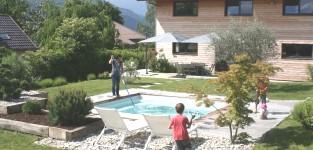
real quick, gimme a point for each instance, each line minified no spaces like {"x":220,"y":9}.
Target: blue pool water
{"x":158,"y":105}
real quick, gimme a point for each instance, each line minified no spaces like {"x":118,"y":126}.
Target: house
{"x":128,"y":36}
{"x":18,"y":40}
{"x":290,"y":20}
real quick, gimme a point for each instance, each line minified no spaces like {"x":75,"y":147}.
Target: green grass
{"x":95,"y":87}
{"x":288,"y":135}
{"x":10,"y":140}
{"x":276,"y":91}
{"x":290,"y":90}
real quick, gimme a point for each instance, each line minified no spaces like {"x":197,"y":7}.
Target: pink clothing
{"x":179,"y":125}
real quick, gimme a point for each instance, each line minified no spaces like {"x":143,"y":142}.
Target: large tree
{"x":149,"y":26}
{"x":15,"y":8}
{"x":244,"y":37}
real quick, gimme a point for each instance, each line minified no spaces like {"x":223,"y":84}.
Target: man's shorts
{"x":183,"y":144}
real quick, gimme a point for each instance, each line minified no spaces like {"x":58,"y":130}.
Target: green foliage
{"x":51,"y":17}
{"x":149,"y":27}
{"x":104,"y":75}
{"x":10,"y":87}
{"x":310,"y":72}
{"x":45,"y":83}
{"x":15,"y":8}
{"x":243,"y":37}
{"x":91,"y":76}
{"x":303,"y":113}
{"x":59,"y":81}
{"x":31,"y":107}
{"x":161,"y":65}
{"x":237,"y":84}
{"x":25,"y":85}
{"x":243,"y":137}
{"x":130,"y":71}
{"x":69,"y":107}
{"x":18,"y":66}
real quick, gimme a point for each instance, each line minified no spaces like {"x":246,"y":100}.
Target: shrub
{"x":161,"y":65}
{"x":104,"y":75}
{"x":130,"y":69}
{"x":45,"y":83}
{"x":310,"y":72}
{"x":31,"y":107}
{"x":69,"y":107}
{"x":59,"y":81}
{"x":303,"y":113}
{"x":10,"y":87}
{"x":25,"y":85}
{"x":91,"y":76}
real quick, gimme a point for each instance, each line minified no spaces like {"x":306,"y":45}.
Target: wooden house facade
{"x":290,"y":20}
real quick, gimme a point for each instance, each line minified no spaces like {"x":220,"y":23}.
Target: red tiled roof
{"x":19,"y":40}
{"x":128,"y":36}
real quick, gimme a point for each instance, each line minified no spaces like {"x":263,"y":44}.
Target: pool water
{"x":158,"y":105}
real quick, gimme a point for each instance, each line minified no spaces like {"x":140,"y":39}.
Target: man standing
{"x":117,"y":68}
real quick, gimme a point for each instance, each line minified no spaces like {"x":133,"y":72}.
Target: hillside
{"x":130,"y":18}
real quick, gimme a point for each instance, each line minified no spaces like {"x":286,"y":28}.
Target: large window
{"x":298,"y":7}
{"x":238,"y":8}
{"x":186,"y":8}
{"x":185,"y":48}
{"x":297,"y":51}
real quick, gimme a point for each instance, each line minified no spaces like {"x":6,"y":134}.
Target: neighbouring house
{"x":19,"y":42}
{"x":128,"y":36}
{"x":290,"y":20}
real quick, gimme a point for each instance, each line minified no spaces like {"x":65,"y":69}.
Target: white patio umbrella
{"x":205,"y":39}
{"x":166,"y":37}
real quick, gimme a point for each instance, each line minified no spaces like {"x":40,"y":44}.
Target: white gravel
{"x":137,"y":141}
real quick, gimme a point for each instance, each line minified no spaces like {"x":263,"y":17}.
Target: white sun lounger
{"x":112,"y":120}
{"x":159,"y":124}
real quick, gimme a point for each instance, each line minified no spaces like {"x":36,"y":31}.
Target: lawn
{"x":10,"y":140}
{"x":276,"y":91}
{"x":288,"y":135}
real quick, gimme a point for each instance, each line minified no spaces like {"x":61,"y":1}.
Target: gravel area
{"x":14,"y":101}
{"x":137,"y":141}
{"x":24,"y":97}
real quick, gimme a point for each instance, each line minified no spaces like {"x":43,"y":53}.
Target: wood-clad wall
{"x":211,"y":14}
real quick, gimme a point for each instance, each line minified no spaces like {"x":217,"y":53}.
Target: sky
{"x":138,"y":7}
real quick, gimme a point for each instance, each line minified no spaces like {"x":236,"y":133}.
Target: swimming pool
{"x":158,"y":105}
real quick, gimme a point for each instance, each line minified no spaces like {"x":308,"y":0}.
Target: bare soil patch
{"x":42,"y":119}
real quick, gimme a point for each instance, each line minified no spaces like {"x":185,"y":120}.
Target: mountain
{"x":138,"y":7}
{"x":131,"y":19}
{"x":135,"y":12}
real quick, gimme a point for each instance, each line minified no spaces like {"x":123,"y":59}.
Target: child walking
{"x":179,"y":124}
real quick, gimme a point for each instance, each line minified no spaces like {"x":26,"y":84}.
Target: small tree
{"x":310,"y":72}
{"x":237,"y":85}
{"x":243,"y":37}
{"x":130,"y":69}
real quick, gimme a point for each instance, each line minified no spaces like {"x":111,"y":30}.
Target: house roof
{"x":19,"y":40}
{"x":128,"y":36}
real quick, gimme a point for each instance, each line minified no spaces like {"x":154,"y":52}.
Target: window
{"x":186,"y":8}
{"x":238,"y":8}
{"x":185,"y":48}
{"x":298,"y":7}
{"x":297,"y":51}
